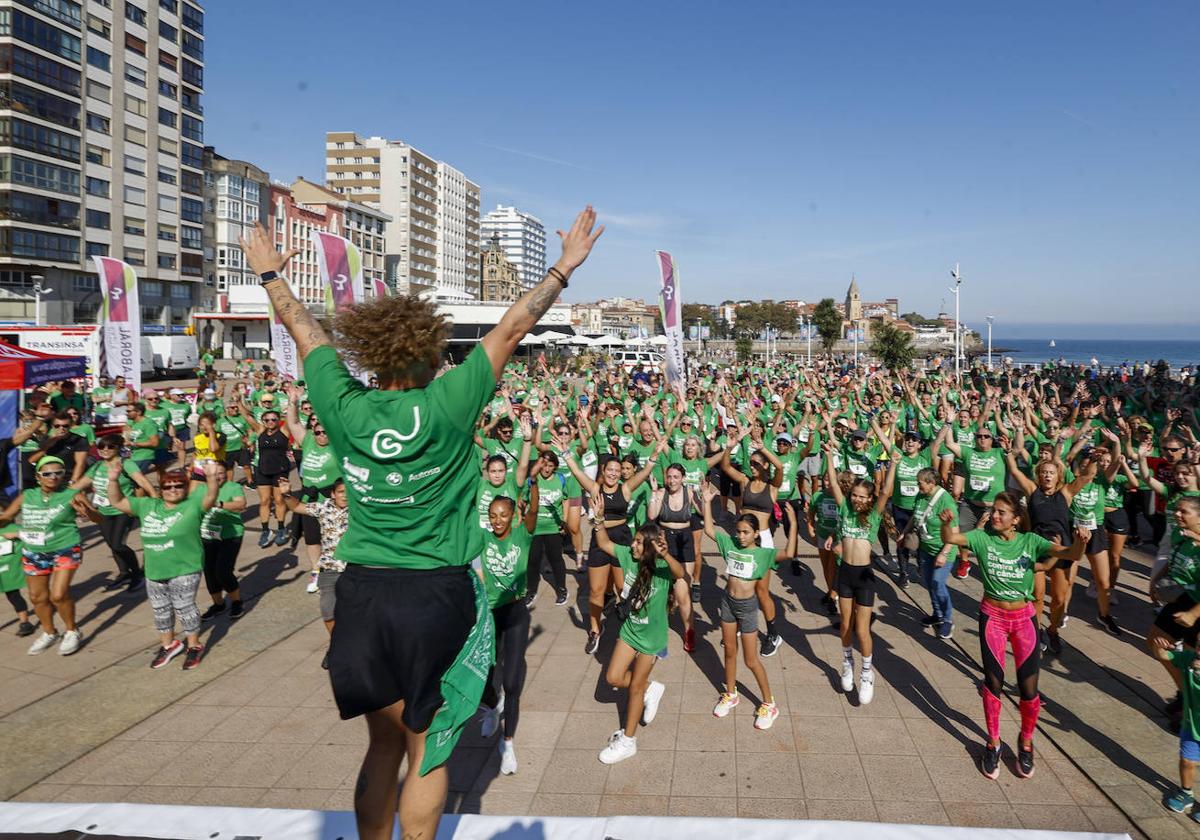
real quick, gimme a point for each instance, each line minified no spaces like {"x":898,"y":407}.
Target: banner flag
{"x":283,"y":346}
{"x":671,"y":306}
{"x":381,"y":288}
{"x":340,"y":263}
{"x":121,"y":320}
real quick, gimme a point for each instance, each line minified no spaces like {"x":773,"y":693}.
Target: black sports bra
{"x":669,"y":515}
{"x":616,"y":506}
{"x":759,"y":501}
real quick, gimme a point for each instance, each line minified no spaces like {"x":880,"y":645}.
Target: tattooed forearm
{"x":304,"y":328}
{"x":539,"y":299}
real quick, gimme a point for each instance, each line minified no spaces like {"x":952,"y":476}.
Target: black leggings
{"x":19,"y":605}
{"x":220,"y":558}
{"x":546,"y":548}
{"x":115,"y":531}
{"x":512,"y":637}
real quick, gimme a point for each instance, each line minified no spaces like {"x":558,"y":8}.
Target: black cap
{"x":912,"y":436}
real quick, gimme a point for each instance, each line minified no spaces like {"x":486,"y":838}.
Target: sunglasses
{"x":1173,"y":448}
{"x":323,"y":432}
{"x":983,"y":437}
{"x":53,"y":473}
{"x":62,"y":425}
{"x":174,"y":486}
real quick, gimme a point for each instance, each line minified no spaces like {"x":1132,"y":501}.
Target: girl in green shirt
{"x":649,"y":572}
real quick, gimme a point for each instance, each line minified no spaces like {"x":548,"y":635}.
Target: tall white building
{"x":523,"y":239}
{"x":433,"y":240}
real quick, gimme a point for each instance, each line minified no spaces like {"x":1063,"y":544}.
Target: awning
{"x":230,"y":316}
{"x":21,"y":368}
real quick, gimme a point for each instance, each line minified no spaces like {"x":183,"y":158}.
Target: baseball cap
{"x":785,"y":437}
{"x":842,"y":421}
{"x":176,"y":392}
{"x":858,"y":434}
{"x":209,"y":392}
{"x":912,"y":436}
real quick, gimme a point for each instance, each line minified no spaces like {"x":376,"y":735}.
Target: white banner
{"x":121,"y":320}
{"x":671,"y":306}
{"x":283,"y":346}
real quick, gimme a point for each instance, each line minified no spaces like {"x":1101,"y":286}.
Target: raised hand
{"x":578,"y":241}
{"x":261,"y":253}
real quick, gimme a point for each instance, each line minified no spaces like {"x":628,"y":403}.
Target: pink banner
{"x":120,"y":319}
{"x":340,"y":264}
{"x":381,"y":289}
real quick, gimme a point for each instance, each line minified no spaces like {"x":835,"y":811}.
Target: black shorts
{"x":237,"y":458}
{"x":680,"y":544}
{"x":1165,"y":621}
{"x":728,"y":487}
{"x":597,"y":559}
{"x":857,"y":582}
{"x":1116,"y":521}
{"x":1097,"y":542}
{"x":397,"y":632}
{"x":268,"y":479}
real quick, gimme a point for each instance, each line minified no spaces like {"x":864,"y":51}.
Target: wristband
{"x":558,"y":275}
{"x":267,"y":277}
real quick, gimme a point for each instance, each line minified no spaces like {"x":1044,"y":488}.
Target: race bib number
{"x":980,"y":483}
{"x":737,"y":567}
{"x":209,"y":532}
{"x":908,"y":489}
{"x":33,"y":538}
{"x":858,"y":469}
{"x":6,"y":548}
{"x":1088,"y":521}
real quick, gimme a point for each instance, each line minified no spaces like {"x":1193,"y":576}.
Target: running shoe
{"x":726,"y":704}
{"x":166,"y":654}
{"x":282,"y":536}
{"x":325,"y":661}
{"x":654,"y":694}
{"x":70,"y":642}
{"x":695,"y":593}
{"x":1179,"y":801}
{"x":689,"y":640}
{"x":194,"y":655}
{"x":136,"y":584}
{"x":25,"y":629}
{"x":847,"y":674}
{"x":491,"y":718}
{"x":529,"y":599}
{"x":235,"y":610}
{"x":989,"y":764}
{"x":619,"y":748}
{"x":1110,"y":624}
{"x":117,"y":582}
{"x":560,"y":599}
{"x":508,"y":758}
{"x":946,"y":631}
{"x":1062,"y":625}
{"x":764,"y":715}
{"x":770,"y":645}
{"x":212,"y":612}
{"x":1043,"y":640}
{"x":930,"y":621}
{"x":1054,"y":643}
{"x":43,"y":642}
{"x":962,"y":570}
{"x":1024,"y":761}
{"x":264,"y":539}
{"x":311,"y":589}
{"x":593,"y":642}
{"x":866,"y":686}
{"x":902,"y":578}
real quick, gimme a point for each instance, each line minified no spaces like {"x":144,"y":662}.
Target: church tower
{"x":853,"y":302}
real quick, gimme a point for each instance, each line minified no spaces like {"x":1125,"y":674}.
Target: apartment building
{"x":236,"y":198}
{"x":363,"y":225}
{"x":433,"y":239}
{"x":101,"y":152}
{"x":523,"y":238}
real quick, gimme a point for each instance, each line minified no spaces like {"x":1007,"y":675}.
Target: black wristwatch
{"x":268,"y":276}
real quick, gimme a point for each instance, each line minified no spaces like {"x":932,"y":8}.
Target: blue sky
{"x":776,"y":148}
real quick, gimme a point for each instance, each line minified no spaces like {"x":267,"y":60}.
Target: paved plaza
{"x":255,"y":725}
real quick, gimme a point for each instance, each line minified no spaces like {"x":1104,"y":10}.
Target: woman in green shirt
{"x":115,"y":526}
{"x":174,"y":555}
{"x":319,"y":471}
{"x":649,"y":573}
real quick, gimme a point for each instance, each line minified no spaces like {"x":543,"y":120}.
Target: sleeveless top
{"x":673,"y":516}
{"x":759,"y":501}
{"x":1049,"y":516}
{"x":616,"y":506}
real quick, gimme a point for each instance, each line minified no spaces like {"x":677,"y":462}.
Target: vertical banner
{"x":672,"y":308}
{"x":381,"y":289}
{"x":340,"y":263}
{"x":121,"y":320}
{"x":283,"y":347}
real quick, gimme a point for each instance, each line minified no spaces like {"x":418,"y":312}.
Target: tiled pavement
{"x":256,"y":725}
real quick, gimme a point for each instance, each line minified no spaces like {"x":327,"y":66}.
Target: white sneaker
{"x":43,"y":642}
{"x":765,"y":715}
{"x":508,"y":758}
{"x":866,"y":686}
{"x":1062,"y":624}
{"x":619,"y":748}
{"x":312,"y":587}
{"x":654,"y":693}
{"x":70,"y":642}
{"x":1091,"y":590}
{"x":491,"y":718}
{"x":725,"y":705}
{"x":847,"y":675}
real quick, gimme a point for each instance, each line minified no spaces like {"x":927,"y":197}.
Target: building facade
{"x":237,"y":196}
{"x":500,"y":281}
{"x":102,"y":153}
{"x":523,"y":238}
{"x":363,"y":225}
{"x":433,"y":240}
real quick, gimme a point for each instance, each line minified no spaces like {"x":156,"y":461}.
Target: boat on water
{"x":1052,"y":344}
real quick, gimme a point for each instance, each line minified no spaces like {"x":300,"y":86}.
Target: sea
{"x":1108,"y":352}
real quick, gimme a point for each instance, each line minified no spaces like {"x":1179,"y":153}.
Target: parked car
{"x":650,"y":361}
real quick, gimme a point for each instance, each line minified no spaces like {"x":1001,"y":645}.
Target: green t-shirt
{"x":171,"y":537}
{"x":551,"y":495}
{"x":862,"y":464}
{"x":1183,"y":567}
{"x":141,"y":432}
{"x":221,"y":524}
{"x":985,"y":473}
{"x":929,"y":524}
{"x":61,"y":402}
{"x":85,"y":431}
{"x":504,"y":564}
{"x":235,"y":430}
{"x":825,"y":514}
{"x":98,"y":473}
{"x":1115,"y":490}
{"x":851,"y":527}
{"x":745,"y":563}
{"x":639,"y":505}
{"x":217,"y":407}
{"x":1190,"y":687}
{"x":788,"y":487}
{"x":510,"y":452}
{"x":409,"y":461}
{"x":318,"y":464}
{"x":645,"y":630}
{"x":1087,"y":506}
{"x":12,"y":573}
{"x":487,"y":492}
{"x":694,"y":470}
{"x":178,"y":413}
{"x":1006,"y":566}
{"x":102,"y":399}
{"x":904,"y":489}
{"x":48,"y":522}
{"x":162,"y":421}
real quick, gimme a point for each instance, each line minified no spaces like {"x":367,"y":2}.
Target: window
{"x":63,"y":11}
{"x":99,"y":91}
{"x":193,"y":18}
{"x":167,"y":32}
{"x":135,"y":43}
{"x":190,"y":237}
{"x":135,"y":227}
{"x":135,"y":256}
{"x":193,"y":45}
{"x":135,"y":14}
{"x":45,"y":106}
{"x":151,"y":288}
{"x":193,"y":74}
{"x":191,"y":265}
{"x":251,"y":214}
{"x":99,"y":26}
{"x":166,"y":175}
{"x":37,"y":138}
{"x":166,"y":233}
{"x":168,"y":147}
{"x":97,"y":187}
{"x":251,"y":191}
{"x":166,"y":117}
{"x":168,"y":90}
{"x":165,"y":59}
{"x":193,"y":183}
{"x":193,"y":129}
{"x":99,"y":59}
{"x":96,"y":249}
{"x":168,"y":204}
{"x":134,"y":105}
{"x":34,"y":67}
{"x":87,"y":313}
{"x":151,"y":314}
{"x":85,"y":283}
{"x":39,"y":210}
{"x":193,"y":156}
{"x":99,"y":219}
{"x":166,"y":261}
{"x":40,"y":34}
{"x":192,"y":210}
{"x":181,"y":293}
{"x":97,"y":154}
{"x":171,"y":6}
{"x":15,"y":242}
{"x":191,"y":101}
{"x":135,"y":165}
{"x":95,"y":122}
{"x":135,"y":195}
{"x":135,"y":74}
{"x":135,"y":135}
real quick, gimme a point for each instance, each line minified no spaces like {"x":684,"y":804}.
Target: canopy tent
{"x":20,"y":368}
{"x":552,"y":337}
{"x":606,"y":341}
{"x":575,"y":341}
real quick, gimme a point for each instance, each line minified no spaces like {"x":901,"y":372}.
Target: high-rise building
{"x":432,"y":241}
{"x":101,"y":152}
{"x":523,"y":239}
{"x":237,"y":196}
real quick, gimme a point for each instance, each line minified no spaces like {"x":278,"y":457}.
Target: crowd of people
{"x":435,"y":499}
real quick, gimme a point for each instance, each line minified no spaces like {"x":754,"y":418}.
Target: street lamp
{"x":768,"y":345}
{"x":699,"y":346}
{"x":808,"y":334}
{"x":990,"y":320}
{"x":38,"y":291}
{"x":957,"y":335}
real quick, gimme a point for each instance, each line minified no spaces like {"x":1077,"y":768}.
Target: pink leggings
{"x":999,"y":629}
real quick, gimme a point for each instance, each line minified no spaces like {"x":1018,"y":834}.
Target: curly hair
{"x":398,"y":338}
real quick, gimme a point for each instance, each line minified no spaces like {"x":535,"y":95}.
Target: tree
{"x":919,"y":320}
{"x":893,"y":346}
{"x":744,"y":347}
{"x":828,"y":322}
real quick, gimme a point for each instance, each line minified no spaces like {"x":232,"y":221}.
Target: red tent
{"x":21,"y":368}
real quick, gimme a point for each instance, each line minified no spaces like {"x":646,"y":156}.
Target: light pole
{"x":957,"y":334}
{"x":990,"y":320}
{"x":38,"y":291}
{"x":768,"y":345}
{"x":808,"y":332}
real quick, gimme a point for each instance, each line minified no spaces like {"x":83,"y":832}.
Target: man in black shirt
{"x":62,"y":443}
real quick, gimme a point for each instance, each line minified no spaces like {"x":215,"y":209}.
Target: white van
{"x":650,"y":361}
{"x":173,"y":354}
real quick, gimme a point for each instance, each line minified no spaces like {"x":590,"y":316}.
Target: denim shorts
{"x":1189,"y":747}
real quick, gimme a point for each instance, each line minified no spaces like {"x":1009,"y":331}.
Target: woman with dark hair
{"x":319,"y":471}
{"x":221,"y":532}
{"x":115,"y":526}
{"x":1008,"y":553}
{"x":649,"y":572}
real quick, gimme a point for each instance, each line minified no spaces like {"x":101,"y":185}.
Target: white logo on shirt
{"x":389,"y":443}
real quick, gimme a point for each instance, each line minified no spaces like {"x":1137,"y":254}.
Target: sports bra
{"x":673,"y":516}
{"x":759,"y":501}
{"x":616,"y":506}
{"x":1048,"y":515}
